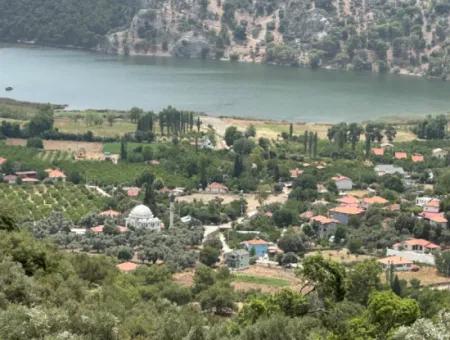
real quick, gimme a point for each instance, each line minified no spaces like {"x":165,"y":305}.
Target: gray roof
{"x":239,"y":252}
{"x":389,"y":168}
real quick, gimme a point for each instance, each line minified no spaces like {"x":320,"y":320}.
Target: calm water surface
{"x":88,"y":80}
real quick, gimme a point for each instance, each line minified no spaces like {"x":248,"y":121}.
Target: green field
{"x":34,"y":202}
{"x":118,"y":128}
{"x":262,"y":280}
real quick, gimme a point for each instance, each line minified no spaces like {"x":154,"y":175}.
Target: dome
{"x":141,"y":212}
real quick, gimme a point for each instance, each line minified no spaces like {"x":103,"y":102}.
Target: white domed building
{"x":142,"y":217}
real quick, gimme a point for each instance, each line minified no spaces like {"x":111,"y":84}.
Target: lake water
{"x":89,"y":80}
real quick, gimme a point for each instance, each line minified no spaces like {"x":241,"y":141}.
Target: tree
{"x":292,"y":242}
{"x":135,"y":114}
{"x":209,"y":255}
{"x":291,"y":130}
{"x":243,"y":146}
{"x":396,"y":286}
{"x":354,"y":131}
{"x":219,"y":299}
{"x":125,"y":254}
{"x":251,"y":131}
{"x":238,"y":167}
{"x":110,"y":118}
{"x":388,"y":311}
{"x":390,"y":132}
{"x":443,"y":262}
{"x":231,"y":135}
{"x":123,"y":150}
{"x":362,"y":280}
{"x":41,"y":122}
{"x":326,"y":277}
{"x":35,"y":142}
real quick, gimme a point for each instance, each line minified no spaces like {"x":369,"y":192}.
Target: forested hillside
{"x":80,"y":23}
{"x":407,"y":37}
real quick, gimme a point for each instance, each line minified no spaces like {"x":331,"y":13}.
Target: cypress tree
{"x":305,"y":141}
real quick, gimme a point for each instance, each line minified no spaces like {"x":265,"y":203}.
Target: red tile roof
{"x":127,"y":266}
{"x":217,"y":186}
{"x":417,"y":157}
{"x":133,"y":192}
{"x":55,"y":173}
{"x":3,"y":160}
{"x":97,"y":230}
{"x":255,"y":242}
{"x":421,"y":242}
{"x":295,"y":172}
{"x":395,"y":260}
{"x":110,"y":213}
{"x":348,"y":210}
{"x":434,"y":217}
{"x":378,"y":151}
{"x":434,"y":203}
{"x":348,"y":199}
{"x":323,"y":219}
{"x":401,"y":155}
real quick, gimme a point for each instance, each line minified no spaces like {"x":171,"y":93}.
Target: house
{"x":432,"y":206}
{"x":127,"y":267}
{"x":326,"y":226}
{"x":10,"y":179}
{"x":113,"y":158}
{"x":306,"y":215}
{"x":388,"y":169}
{"x":27,"y":180}
{"x":400,"y":155}
{"x":295,"y":172}
{"x":417,"y":158}
{"x":348,"y":200}
{"x":344,"y":213}
{"x":397,"y":262}
{"x":368,"y":201}
{"x":343,"y":183}
{"x":55,"y":175}
{"x":237,"y":259}
{"x":97,"y":230}
{"x":110,"y":213}
{"x":439,"y":153}
{"x":133,"y":191}
{"x":3,"y":160}
{"x":216,"y":188}
{"x":378,"y":151}
{"x":435,"y":219}
{"x":27,"y":174}
{"x":260,"y":247}
{"x":422,"y":201}
{"x":417,"y":245}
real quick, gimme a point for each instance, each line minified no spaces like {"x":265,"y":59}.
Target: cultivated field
{"x":342,"y":256}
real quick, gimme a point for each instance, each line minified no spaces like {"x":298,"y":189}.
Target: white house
{"x":417,"y":245}
{"x":343,"y":183}
{"x":216,"y":188}
{"x":397,"y":262}
{"x":141,"y":217}
{"x":388,"y":169}
{"x":432,"y":206}
{"x":439,"y":153}
{"x":422,"y":201}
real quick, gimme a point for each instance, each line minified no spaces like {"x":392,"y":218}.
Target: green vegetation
{"x":269,"y":281}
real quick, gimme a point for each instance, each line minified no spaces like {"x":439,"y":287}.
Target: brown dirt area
{"x":186,"y":278}
{"x":426,"y":275}
{"x":341,"y":256}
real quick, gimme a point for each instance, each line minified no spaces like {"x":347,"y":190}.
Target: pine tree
{"x":367,"y":145}
{"x":123,"y":149}
{"x":396,"y":286}
{"x":238,"y":166}
{"x":305,"y":141}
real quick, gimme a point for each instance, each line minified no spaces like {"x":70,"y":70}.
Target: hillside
{"x":407,"y":37}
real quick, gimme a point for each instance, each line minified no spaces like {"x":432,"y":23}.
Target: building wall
{"x":412,"y":256}
{"x":342,"y":218}
{"x":260,"y":249}
{"x":344,"y":185}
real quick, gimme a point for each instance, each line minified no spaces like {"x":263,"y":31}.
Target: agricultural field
{"x":55,"y":156}
{"x":117,"y":129}
{"x":34,"y":202}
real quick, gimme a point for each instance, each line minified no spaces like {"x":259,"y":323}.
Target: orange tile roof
{"x":348,"y":210}
{"x":348,"y":199}
{"x":133,"y":192}
{"x":97,"y":230}
{"x":110,"y":213}
{"x":421,"y":242}
{"x":3,"y":160}
{"x":55,"y":173}
{"x":434,"y":217}
{"x":417,"y":157}
{"x":127,"y":266}
{"x":307,"y":214}
{"x":217,"y":185}
{"x":394,"y":260}
{"x":323,"y":219}
{"x":401,"y":155}
{"x":255,"y":242}
{"x":434,"y":203}
{"x":378,"y":151}
{"x":375,"y":200}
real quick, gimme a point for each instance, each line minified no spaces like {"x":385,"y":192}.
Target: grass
{"x":119,"y":127}
{"x":262,"y":280}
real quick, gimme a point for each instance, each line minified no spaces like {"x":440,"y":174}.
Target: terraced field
{"x":34,"y":202}
{"x":55,"y":156}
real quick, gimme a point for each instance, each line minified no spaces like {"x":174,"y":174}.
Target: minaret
{"x":171,"y":209}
